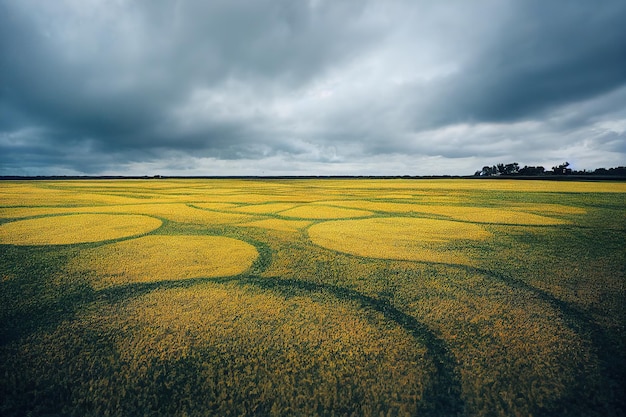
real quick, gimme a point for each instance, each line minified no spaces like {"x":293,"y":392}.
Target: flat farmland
{"x":351,"y":297}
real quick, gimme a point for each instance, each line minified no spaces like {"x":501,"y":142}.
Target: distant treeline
{"x":513,"y":169}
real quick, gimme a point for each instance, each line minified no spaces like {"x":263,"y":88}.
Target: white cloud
{"x":300,"y":87}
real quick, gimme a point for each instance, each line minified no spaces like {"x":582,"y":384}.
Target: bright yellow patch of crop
{"x":548,"y":208}
{"x":80,"y":228}
{"x":37,"y":194}
{"x":17,"y":212}
{"x":398,"y":238}
{"x":215,"y":206}
{"x":279,"y":224}
{"x":159,"y":258}
{"x":465,"y":213}
{"x":439,"y":199}
{"x":266,"y":208}
{"x":374,"y":205}
{"x":241,"y":349}
{"x":489,"y":215}
{"x":184,"y":214}
{"x":248,"y":196}
{"x":545,"y":186}
{"x":114,"y":184}
{"x":323,"y":212}
{"x":172,"y":211}
{"x":455,"y":185}
{"x":493,"y":185}
{"x":399,"y":196}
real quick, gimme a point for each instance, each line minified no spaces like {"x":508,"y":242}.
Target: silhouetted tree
{"x":487,"y":171}
{"x":618,"y":171}
{"x":511,"y":169}
{"x":499,"y":169}
{"x":562,"y":169}
{"x":532,"y":170}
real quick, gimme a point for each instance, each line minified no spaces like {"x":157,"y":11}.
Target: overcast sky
{"x":288,"y":87}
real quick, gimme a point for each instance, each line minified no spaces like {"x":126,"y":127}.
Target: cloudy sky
{"x":317,"y":87}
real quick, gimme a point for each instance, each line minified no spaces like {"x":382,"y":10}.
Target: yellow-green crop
{"x":312,"y":297}
{"x":414,"y":239}
{"x":79,"y":228}
{"x":323,"y":212}
{"x":157,"y":258}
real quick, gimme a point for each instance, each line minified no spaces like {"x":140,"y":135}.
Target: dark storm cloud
{"x":113,"y":74}
{"x":337,"y":87}
{"x":545,"y":54}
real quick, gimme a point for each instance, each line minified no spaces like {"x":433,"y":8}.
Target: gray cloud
{"x":305,"y":87}
{"x":550,"y":54}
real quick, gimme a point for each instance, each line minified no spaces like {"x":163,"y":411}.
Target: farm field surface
{"x":351,"y":297}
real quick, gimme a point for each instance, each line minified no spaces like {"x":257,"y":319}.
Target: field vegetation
{"x":79,"y":228}
{"x":158,"y":258}
{"x":312,"y":297}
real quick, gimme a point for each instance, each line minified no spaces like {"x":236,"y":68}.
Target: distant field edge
{"x":332,"y":177}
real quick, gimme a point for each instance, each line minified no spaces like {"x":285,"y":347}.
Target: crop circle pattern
{"x":406,"y":238}
{"x":160,"y":258}
{"x":76,"y":228}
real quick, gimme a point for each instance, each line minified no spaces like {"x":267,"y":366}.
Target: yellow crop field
{"x":80,"y":228}
{"x":265,"y":208}
{"x":489,"y":215}
{"x":314,"y":211}
{"x":513,"y":215}
{"x":279,"y":224}
{"x":415,"y":239}
{"x":548,"y":208}
{"x":167,"y":258}
{"x":338,"y":297}
{"x":177,"y":212}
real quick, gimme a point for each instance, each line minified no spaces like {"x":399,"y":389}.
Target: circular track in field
{"x":75,"y":228}
{"x":160,"y":258}
{"x":212,"y":341}
{"x":406,"y":238}
{"x":321,"y":212}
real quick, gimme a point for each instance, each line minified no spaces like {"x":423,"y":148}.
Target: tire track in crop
{"x":610,"y":358}
{"x":441,"y":397}
{"x":45,"y":306}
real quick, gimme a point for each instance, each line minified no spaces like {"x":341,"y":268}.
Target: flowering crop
{"x":80,"y":228}
{"x":158,"y":258}
{"x":312,"y":297}
{"x":279,"y":224}
{"x":265,"y":208}
{"x":503,"y":215}
{"x":314,"y":211}
{"x":406,"y":238}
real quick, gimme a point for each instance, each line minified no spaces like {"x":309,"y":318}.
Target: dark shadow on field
{"x":29,"y":301}
{"x":48,"y":306}
{"x":442,"y":397}
{"x":45,"y":315}
{"x":612,"y":360}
